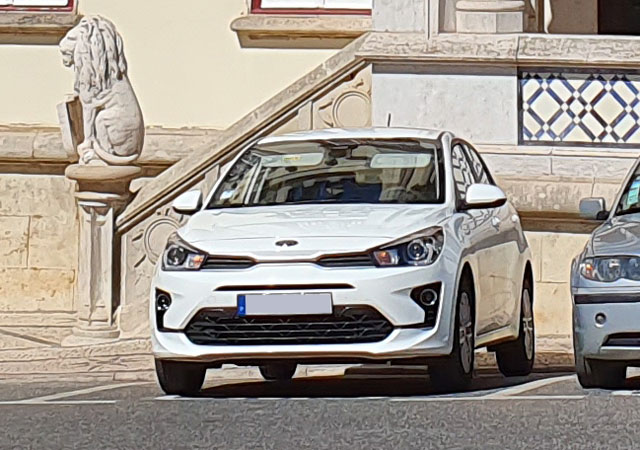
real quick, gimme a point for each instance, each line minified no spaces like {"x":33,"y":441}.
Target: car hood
{"x":620,"y":236}
{"x":316,"y":229}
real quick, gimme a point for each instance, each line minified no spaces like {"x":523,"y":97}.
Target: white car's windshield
{"x":337,"y":171}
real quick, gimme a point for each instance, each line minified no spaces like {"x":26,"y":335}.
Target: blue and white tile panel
{"x":580,"y":108}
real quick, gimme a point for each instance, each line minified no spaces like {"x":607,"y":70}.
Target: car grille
{"x":623,"y":340}
{"x":218,"y":263}
{"x":346,"y":261}
{"x":345,"y":326}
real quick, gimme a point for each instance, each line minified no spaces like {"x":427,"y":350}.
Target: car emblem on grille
{"x":290,"y":243}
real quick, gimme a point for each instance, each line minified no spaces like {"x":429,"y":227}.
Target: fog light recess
{"x":163,"y":302}
{"x":601,"y":319}
{"x":428,"y":298}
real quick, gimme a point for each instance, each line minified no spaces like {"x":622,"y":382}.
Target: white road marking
{"x":626,"y":393}
{"x":50,"y":403}
{"x":517,"y":390}
{"x":486,"y":398}
{"x":91,"y":390}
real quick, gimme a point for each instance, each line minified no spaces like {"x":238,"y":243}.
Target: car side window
{"x":462,"y":174}
{"x":479,"y":169}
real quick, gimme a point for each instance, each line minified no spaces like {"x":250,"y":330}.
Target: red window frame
{"x":70,"y":7}
{"x":256,"y":8}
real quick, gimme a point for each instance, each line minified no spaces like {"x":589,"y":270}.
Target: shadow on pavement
{"x":359,"y":385}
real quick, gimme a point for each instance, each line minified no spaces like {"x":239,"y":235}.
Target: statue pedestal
{"x":102,"y":192}
{"x":490,"y":16}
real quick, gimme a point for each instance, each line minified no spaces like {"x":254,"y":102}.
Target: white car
{"x":383,"y":245}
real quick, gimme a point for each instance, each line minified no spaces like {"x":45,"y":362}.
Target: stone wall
{"x":552,"y":256}
{"x":38,"y":256}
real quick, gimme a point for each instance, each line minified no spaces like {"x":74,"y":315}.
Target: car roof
{"x":354,"y":133}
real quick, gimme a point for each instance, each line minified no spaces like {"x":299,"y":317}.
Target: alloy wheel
{"x":527,"y":323}
{"x":465,"y":330}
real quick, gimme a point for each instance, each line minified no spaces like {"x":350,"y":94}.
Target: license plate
{"x":284,"y":304}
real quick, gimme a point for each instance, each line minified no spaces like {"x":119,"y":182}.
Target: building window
{"x":311,"y":6}
{"x":36,"y":5}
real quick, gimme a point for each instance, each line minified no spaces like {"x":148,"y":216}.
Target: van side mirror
{"x":484,"y":196}
{"x":188,"y":203}
{"x":593,"y":208}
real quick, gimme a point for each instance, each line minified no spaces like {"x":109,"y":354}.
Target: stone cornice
{"x":163,"y":146}
{"x":35,"y":28}
{"x":503,"y":50}
{"x":278,"y":31}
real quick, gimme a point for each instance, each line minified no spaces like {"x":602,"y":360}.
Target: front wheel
{"x":600,"y":374}
{"x":516,"y":358}
{"x":456,"y":371}
{"x":180,"y":378}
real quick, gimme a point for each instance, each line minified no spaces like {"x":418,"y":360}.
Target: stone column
{"x":102,"y":192}
{"x":490,"y":16}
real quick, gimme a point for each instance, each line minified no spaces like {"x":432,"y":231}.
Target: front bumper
{"x":606,"y":340}
{"x":387,"y":290}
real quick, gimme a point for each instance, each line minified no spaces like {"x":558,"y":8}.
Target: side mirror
{"x":593,"y":208}
{"x":484,"y":196}
{"x":188,"y":203}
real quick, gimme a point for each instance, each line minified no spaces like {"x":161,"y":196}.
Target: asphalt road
{"x":379,"y":410}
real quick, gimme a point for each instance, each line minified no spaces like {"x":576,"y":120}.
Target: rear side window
{"x":462,"y":173}
{"x":479,"y":169}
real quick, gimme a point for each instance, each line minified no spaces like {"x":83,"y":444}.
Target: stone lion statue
{"x":111,"y":116}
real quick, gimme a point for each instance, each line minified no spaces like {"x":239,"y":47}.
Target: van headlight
{"x":419,"y":249}
{"x":610,"y":269}
{"x":178,"y":255}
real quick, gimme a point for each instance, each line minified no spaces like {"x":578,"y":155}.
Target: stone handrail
{"x":260,"y":122}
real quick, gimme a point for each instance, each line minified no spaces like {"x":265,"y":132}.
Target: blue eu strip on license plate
{"x":242,"y":305}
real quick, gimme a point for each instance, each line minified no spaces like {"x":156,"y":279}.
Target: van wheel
{"x":278,"y":371}
{"x":455,"y":372}
{"x":600,"y":374}
{"x":180,"y":378}
{"x":516,"y":358}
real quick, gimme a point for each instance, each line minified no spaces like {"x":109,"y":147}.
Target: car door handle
{"x":495,"y":222}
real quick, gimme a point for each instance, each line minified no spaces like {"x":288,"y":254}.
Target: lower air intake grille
{"x":345,"y":326}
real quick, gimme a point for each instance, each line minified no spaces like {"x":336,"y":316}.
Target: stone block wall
{"x":38,"y":258}
{"x":552,"y":256}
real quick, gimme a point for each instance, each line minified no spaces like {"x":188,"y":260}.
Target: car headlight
{"x":610,"y":269}
{"x":178,"y":255}
{"x":420,"y":249}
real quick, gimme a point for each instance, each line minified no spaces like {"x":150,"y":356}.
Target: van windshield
{"x":630,"y":200}
{"x":337,"y":171}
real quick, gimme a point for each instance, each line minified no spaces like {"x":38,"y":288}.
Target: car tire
{"x":455,"y":372}
{"x":180,"y":378}
{"x":515,"y":359}
{"x":600,"y":374}
{"x":278,"y":371}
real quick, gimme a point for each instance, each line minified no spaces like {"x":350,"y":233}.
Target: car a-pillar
{"x":104,"y":132}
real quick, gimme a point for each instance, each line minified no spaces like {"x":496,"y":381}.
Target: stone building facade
{"x":553,"y":105}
